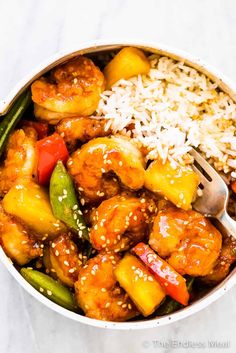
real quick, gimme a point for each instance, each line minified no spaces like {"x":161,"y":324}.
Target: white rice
{"x":171,"y":109}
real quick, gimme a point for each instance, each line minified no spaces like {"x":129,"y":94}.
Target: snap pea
{"x":10,"y":120}
{"x":64,"y":203}
{"x":50,"y":288}
{"x":171,"y":305}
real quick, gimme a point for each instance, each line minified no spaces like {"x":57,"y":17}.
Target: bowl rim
{"x":95,"y":46}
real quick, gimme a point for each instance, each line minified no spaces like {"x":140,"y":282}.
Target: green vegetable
{"x":64,"y":202}
{"x":50,"y":288}
{"x":10,"y":120}
{"x":171,"y":305}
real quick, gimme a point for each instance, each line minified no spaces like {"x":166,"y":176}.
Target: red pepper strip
{"x":41,"y":128}
{"x":50,"y":150}
{"x":233,"y":186}
{"x":172,"y":281}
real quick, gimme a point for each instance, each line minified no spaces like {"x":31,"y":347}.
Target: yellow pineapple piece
{"x":30,"y":203}
{"x":141,"y":286}
{"x":178,"y":185}
{"x":127,"y":63}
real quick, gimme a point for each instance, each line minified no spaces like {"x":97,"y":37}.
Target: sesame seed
{"x":19,"y":187}
{"x":60,"y":198}
{"x":83,"y":278}
{"x":86,"y":306}
{"x":57,"y":253}
{"x":67,"y":251}
{"x":129,"y":306}
{"x":150,"y":278}
{"x":70,"y":162}
{"x":172,"y":181}
{"x":119,"y":303}
{"x":181,"y":196}
{"x":103,"y":237}
{"x":103,"y":290}
{"x":124,"y":306}
{"x":24,"y":242}
{"x":75,"y":80}
{"x":41,"y":289}
{"x":74,"y":207}
{"x":107,"y":305}
{"x":82,"y":202}
{"x":49,"y":292}
{"x":71,"y":270}
{"x":142,"y":200}
{"x":135,"y":218}
{"x":66,"y":263}
{"x":120,"y":163}
{"x":75,"y":216}
{"x":38,"y":196}
{"x":93,"y":272}
{"x":103,"y":170}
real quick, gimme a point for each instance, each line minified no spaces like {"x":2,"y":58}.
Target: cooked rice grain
{"x":171,"y":109}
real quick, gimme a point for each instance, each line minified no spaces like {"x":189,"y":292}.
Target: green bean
{"x":50,"y":288}
{"x":64,"y":202}
{"x":10,"y":120}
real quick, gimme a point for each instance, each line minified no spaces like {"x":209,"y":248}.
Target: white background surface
{"x":30,"y":31}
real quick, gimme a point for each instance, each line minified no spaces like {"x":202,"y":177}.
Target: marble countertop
{"x":30,"y":32}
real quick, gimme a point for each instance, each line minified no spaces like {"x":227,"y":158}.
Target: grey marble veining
{"x":30,"y":31}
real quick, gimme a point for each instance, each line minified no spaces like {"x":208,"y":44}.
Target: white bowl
{"x":95,"y":47}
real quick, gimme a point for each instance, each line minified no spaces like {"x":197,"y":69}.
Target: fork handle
{"x":228,"y":223}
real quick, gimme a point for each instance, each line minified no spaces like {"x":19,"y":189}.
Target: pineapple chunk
{"x":178,"y":185}
{"x":141,"y":286}
{"x":29,"y":202}
{"x":127,"y":63}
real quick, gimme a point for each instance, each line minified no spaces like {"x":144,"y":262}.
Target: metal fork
{"x":215,"y":194}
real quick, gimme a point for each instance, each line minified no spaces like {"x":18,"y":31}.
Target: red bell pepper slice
{"x":172,"y":281}
{"x":233,"y":186}
{"x":51,"y":149}
{"x":41,"y":128}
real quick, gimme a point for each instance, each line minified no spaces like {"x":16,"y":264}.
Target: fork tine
{"x":205,"y":166}
{"x":202,"y":178}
